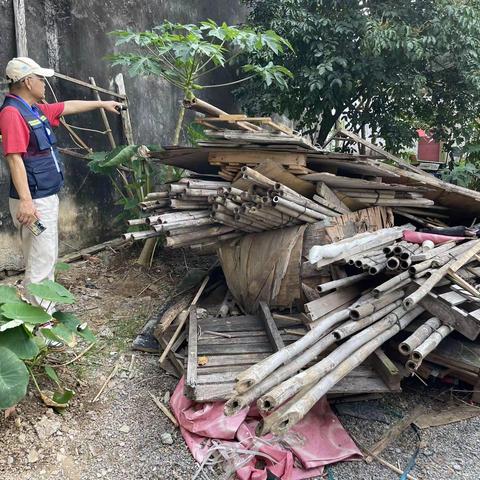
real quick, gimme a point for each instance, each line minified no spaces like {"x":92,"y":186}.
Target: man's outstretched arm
{"x":80,"y":106}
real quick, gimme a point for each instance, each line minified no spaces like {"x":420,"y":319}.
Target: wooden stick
{"x":89,"y":85}
{"x":104,"y":117}
{"x":183,"y":315}
{"x":112,"y":374}
{"x":80,"y":355}
{"x":164,"y":409}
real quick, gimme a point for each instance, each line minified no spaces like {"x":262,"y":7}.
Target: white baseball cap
{"x":20,"y":67}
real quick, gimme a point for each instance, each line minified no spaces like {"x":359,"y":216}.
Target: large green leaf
{"x":13,"y":378}
{"x":74,"y":325}
{"x":9,"y":295}
{"x":20,"y":342}
{"x":24,"y":311}
{"x":52,"y":291}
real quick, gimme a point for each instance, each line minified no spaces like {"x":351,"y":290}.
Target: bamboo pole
{"x":356,"y":325}
{"x":342,"y":282}
{"x":186,"y":238}
{"x":430,"y":343}
{"x":293,"y":411}
{"x":390,"y":284}
{"x":368,"y":308}
{"x":419,"y":336}
{"x":282,"y":392}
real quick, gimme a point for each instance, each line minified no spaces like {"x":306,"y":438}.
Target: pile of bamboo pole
{"x":201,"y":213}
{"x":181,"y":213}
{"x":282,"y":385}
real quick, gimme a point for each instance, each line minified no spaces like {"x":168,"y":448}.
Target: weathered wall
{"x":71,"y":37}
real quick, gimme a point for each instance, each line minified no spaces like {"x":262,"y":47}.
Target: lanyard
{"x":35,"y":112}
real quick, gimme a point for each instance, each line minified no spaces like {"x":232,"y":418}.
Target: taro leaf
{"x":20,"y":342}
{"x":52,"y":291}
{"x":13,"y":378}
{"x":62,"y":267}
{"x":59,"y":334}
{"x":24,"y":311}
{"x":74,"y":325}
{"x":9,"y":295}
{"x":52,"y":374}
{"x":11,"y":324}
{"x":58,"y":399}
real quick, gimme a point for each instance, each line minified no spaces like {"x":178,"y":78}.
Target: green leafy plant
{"x":186,"y":56}
{"x":131,"y":174}
{"x":23,"y":341}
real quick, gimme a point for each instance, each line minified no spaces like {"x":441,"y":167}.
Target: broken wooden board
{"x":448,"y":414}
{"x":462,"y":312}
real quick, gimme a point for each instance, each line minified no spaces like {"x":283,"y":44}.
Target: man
{"x":36,"y":169}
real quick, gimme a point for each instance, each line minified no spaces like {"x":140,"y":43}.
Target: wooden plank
{"x":231,"y":360}
{"x":232,"y":324}
{"x":386,"y":369}
{"x":270,"y":327}
{"x":264,"y":347}
{"x":176,"y":362}
{"x":322,"y":306}
{"x":191,"y":379}
{"x":20,"y":28}
{"x":257,"y":157}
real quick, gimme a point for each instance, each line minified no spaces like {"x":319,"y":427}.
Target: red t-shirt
{"x":14,"y":130}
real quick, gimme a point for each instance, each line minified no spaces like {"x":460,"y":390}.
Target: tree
{"x":395,"y":66}
{"x":185,"y":55}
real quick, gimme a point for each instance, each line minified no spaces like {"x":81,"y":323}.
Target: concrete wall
{"x":71,"y":37}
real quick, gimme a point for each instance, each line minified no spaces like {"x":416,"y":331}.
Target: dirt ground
{"x":124,"y":436}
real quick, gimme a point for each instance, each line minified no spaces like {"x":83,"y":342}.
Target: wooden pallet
{"x":227,"y":346}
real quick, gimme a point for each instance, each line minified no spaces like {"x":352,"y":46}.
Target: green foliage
{"x":21,"y":351}
{"x":184,"y":54}
{"x":395,"y":66}
{"x":62,"y":267}
{"x":131,"y":174}
{"x":463,"y":174}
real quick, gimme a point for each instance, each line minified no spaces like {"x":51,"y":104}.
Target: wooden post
{"x":127,"y":125}
{"x":20,"y":28}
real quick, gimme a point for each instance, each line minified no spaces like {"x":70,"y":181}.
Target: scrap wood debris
{"x":351,"y":273}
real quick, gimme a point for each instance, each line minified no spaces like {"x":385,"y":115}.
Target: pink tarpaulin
{"x":318,"y":440}
{"x":419,"y":237}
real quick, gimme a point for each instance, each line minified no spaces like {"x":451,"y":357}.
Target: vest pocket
{"x":44,"y":176}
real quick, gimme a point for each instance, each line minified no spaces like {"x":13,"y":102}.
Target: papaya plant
{"x":24,"y":333}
